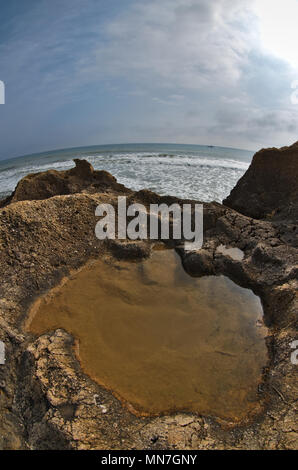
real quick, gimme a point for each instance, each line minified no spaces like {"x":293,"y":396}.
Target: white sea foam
{"x":205,"y":175}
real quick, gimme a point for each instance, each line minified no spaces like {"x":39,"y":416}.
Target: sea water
{"x":203,"y":173}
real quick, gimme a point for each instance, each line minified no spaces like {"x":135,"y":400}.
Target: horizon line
{"x":122,"y":143}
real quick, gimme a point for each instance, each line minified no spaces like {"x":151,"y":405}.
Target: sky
{"x":88,"y":72}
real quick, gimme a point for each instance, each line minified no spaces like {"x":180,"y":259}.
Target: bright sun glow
{"x":278,"y":28}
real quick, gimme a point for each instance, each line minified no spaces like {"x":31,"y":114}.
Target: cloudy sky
{"x":84,"y":72}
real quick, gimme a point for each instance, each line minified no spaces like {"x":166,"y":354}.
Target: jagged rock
{"x":199,"y":263}
{"x":50,"y":183}
{"x":263,"y":254}
{"x":48,"y":403}
{"x":269,"y":187}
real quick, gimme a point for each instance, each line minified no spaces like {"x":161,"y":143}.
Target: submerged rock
{"x":199,"y":263}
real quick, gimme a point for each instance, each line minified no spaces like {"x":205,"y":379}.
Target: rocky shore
{"x":47,"y":232}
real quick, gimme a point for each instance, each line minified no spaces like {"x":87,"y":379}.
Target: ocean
{"x":204,"y":173}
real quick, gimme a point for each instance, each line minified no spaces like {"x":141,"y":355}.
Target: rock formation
{"x":47,"y":231}
{"x":269,"y":188}
{"x":50,"y":183}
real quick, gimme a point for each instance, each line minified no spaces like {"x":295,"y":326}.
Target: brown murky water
{"x":160,"y":339}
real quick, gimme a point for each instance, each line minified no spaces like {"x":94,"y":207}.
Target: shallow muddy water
{"x":161,"y":340}
{"x":234,"y":253}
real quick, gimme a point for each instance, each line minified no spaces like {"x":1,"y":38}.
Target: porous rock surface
{"x":269,"y":188}
{"x":46,"y":400}
{"x":49,"y":183}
